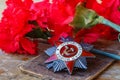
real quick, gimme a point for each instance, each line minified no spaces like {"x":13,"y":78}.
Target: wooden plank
{"x":97,"y":65}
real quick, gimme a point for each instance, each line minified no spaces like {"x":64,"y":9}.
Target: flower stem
{"x":111,"y":24}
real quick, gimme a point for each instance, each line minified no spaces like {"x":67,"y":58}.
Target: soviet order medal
{"x":66,"y":55}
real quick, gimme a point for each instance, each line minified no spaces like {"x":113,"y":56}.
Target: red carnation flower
{"x":55,"y":16}
{"x":14,"y":26}
{"x":108,"y":9}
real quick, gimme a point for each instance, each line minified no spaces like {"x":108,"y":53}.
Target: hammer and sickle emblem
{"x":68,"y":51}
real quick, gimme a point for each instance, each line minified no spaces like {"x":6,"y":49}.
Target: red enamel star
{"x":69,"y":52}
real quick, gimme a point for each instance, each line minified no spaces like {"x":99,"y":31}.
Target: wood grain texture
{"x":97,"y":65}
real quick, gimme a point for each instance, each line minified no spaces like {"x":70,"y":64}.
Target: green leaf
{"x":38,"y":33}
{"x":84,"y":18}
